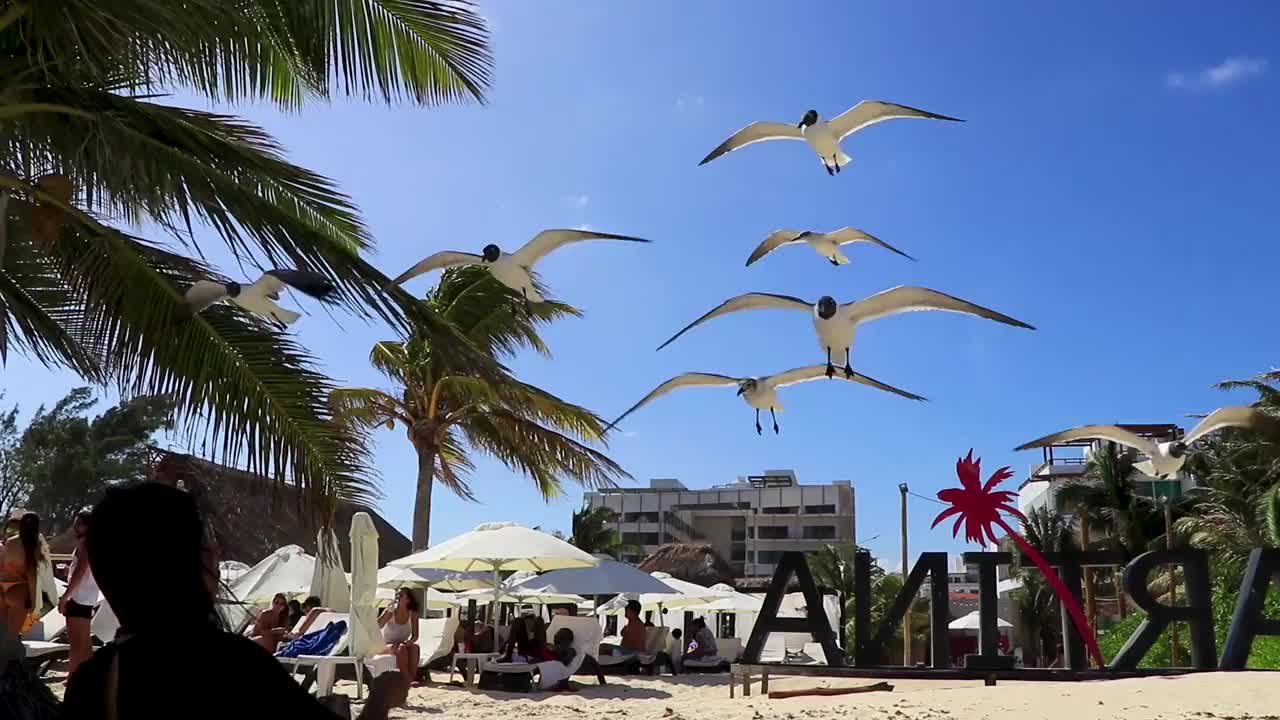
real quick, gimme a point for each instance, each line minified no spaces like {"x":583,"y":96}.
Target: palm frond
{"x":493,"y":316}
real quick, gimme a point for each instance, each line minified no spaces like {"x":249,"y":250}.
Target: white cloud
{"x":1228,"y":72}
{"x":686,"y":101}
{"x":579,"y":201}
{"x":586,"y":227}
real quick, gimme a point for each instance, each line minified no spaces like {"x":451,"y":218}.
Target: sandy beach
{"x":1218,"y":695}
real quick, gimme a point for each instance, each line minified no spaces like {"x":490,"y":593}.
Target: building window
{"x":767,"y":532}
{"x":728,"y":621}
{"x":819,"y":532}
{"x":1157,"y":489}
{"x":768,"y":557}
{"x":640,"y":517}
{"x":819,"y":509}
{"x":738,"y":554}
{"x":738,"y":535}
{"x":640,"y":538}
{"x":751,"y":533}
{"x":786,"y":510}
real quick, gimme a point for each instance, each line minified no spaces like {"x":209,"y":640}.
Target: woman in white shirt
{"x":399,"y":625}
{"x":80,"y":597}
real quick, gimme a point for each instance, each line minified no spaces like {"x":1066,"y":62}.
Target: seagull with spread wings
{"x":761,"y":393}
{"x":260,"y":297}
{"x":511,"y":269}
{"x":836,"y":324}
{"x":824,"y":136}
{"x":825,"y":244}
{"x":1165,"y":458}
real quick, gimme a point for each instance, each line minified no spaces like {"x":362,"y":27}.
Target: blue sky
{"x":1114,"y":186}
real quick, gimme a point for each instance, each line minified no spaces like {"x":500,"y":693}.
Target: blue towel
{"x":320,"y":642}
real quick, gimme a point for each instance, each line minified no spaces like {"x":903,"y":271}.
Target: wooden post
{"x":906,"y":619}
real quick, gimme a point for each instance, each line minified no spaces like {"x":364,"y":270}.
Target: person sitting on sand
{"x":703,"y":643}
{"x":399,"y":625}
{"x":271,"y":627}
{"x":175,"y":659}
{"x":528,"y":641}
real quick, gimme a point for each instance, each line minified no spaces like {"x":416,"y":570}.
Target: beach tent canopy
{"x":679,"y":594}
{"x":607,"y":578}
{"x":972,"y":622}
{"x":418,"y":578}
{"x":284,"y":570}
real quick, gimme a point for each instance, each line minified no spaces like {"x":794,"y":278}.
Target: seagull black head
{"x":810,"y":118}
{"x":1177,"y":449}
{"x":746,"y":386}
{"x":233,"y":289}
{"x":827,"y":307}
{"x":491,"y":253}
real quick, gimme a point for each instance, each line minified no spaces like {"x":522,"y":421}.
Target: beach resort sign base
{"x":870,"y":643}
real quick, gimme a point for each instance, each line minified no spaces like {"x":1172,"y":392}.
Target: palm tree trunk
{"x":1090,"y":603}
{"x":1118,"y":578}
{"x":422,"y":500}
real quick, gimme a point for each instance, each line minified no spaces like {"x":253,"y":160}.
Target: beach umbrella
{"x":608,"y":578}
{"x":328,"y":580}
{"x":518,"y":596}
{"x":283,"y":571}
{"x":499,"y":547}
{"x":420,"y":578}
{"x":366,"y":640}
{"x":972,"y":621}
{"x":680,"y":594}
{"x":731,"y":601}
{"x":230,"y":570}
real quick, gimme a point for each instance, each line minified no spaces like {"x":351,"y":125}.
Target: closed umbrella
{"x":499,"y":547}
{"x":366,"y":640}
{"x":328,"y":580}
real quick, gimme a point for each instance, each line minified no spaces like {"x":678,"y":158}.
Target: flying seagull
{"x":511,"y":269}
{"x":260,"y":297}
{"x":826,"y":244}
{"x":1166,"y":458}
{"x":823,"y":136}
{"x":760,"y":393}
{"x":836,"y":323}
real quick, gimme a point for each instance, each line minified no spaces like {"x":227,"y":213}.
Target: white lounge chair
{"x":326,"y":666}
{"x":48,"y":628}
{"x":656,"y":640}
{"x":586,"y":643}
{"x":436,"y":640}
{"x":41,"y":654}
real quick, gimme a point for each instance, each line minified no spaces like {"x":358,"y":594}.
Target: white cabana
{"x":418,"y":578}
{"x":607,"y":578}
{"x":680,"y":594}
{"x":973,"y":621}
{"x":499,"y":547}
{"x":328,"y":579}
{"x":366,"y":639}
{"x":283,"y":571}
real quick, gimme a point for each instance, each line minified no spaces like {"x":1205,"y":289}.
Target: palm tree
{"x":594,"y":532}
{"x":448,"y":413}
{"x":1106,"y":498}
{"x":1035,"y":603}
{"x":90,"y":148}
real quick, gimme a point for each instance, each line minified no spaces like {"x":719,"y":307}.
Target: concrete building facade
{"x":750,"y":522}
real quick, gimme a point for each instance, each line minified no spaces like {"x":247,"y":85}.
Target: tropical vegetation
{"x":113,"y":196}
{"x":448,"y":413}
{"x":594,"y":530}
{"x":832,"y":568}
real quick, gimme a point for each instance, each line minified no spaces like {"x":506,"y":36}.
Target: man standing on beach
{"x":77,"y":602}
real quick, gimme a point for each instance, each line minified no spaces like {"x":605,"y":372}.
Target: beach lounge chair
{"x":41,"y":654}
{"x":727,"y":652}
{"x":586,"y":643}
{"x":435,"y":640}
{"x":656,"y":640}
{"x":326,"y":666}
{"x":48,"y":628}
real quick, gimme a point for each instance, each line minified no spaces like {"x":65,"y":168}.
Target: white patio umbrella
{"x":499,"y":547}
{"x":680,"y":594}
{"x":732,"y":601}
{"x":328,"y":579}
{"x":972,"y":621}
{"x":282,"y":571}
{"x":607,"y":578}
{"x":366,"y":640}
{"x":419,"y":578}
{"x":518,"y":596}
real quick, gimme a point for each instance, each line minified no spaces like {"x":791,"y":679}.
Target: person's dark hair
{"x":535,"y":636}
{"x":311,"y":602}
{"x":675,"y":633}
{"x":413,"y":601}
{"x":147,"y":541}
{"x":564,"y":636}
{"x":295,"y":612}
{"x":84,"y":516}
{"x":634,"y":606}
{"x":699,"y":623}
{"x":29,"y":534}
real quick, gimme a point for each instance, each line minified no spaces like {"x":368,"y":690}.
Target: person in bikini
{"x":20,"y":559}
{"x":269,"y":629}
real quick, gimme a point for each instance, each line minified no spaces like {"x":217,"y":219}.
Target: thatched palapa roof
{"x":693,"y":562}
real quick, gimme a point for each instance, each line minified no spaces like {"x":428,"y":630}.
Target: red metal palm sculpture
{"x":978,"y":507}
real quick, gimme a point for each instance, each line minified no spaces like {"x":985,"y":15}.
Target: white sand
{"x":1203,"y":696}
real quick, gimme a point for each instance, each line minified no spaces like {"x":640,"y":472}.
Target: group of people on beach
{"x":634,"y":641}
